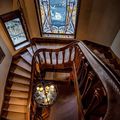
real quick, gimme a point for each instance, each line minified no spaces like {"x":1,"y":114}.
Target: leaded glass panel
{"x":15,"y":31}
{"x":58,"y":17}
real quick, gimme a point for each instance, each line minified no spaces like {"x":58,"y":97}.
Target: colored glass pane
{"x":58,"y":17}
{"x":15,"y":31}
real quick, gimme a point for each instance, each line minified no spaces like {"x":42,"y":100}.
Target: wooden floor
{"x":65,"y":108}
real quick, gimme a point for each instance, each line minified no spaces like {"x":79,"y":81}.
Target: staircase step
{"x":108,"y":55}
{"x":111,"y":66}
{"x":27,"y":57}
{"x":57,"y":76}
{"x":21,"y":80}
{"x":19,"y":87}
{"x":32,"y":49}
{"x":22,"y":45}
{"x":96,"y":52}
{"x":102,"y":56}
{"x":15,"y":108}
{"x":17,"y":75}
{"x":15,"y":101}
{"x":105,"y":60}
{"x":13,"y":116}
{"x":118,"y":72}
{"x":22,"y":63}
{"x":21,"y":72}
{"x":17,"y":94}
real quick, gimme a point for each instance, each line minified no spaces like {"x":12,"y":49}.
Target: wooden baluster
{"x":98,"y":95}
{"x":57,"y":57}
{"x":88,"y":83}
{"x":75,"y":54}
{"x":44,"y":55}
{"x":38,"y":63}
{"x":83,"y":74}
{"x":50,"y":54}
{"x":77,"y":58}
{"x":63,"y":56}
{"x":79,"y":61}
{"x":70,"y":51}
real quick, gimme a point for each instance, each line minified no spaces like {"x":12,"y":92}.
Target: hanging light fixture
{"x":45,"y":93}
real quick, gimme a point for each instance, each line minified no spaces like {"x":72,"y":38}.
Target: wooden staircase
{"x":18,"y":83}
{"x":17,"y":88}
{"x":107,"y":56}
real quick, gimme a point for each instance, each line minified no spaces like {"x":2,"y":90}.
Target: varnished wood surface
{"x":111,"y":85}
{"x":65,"y":108}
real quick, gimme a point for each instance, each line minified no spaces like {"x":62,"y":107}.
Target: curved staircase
{"x":106,"y":55}
{"x":18,"y":84}
{"x":17,"y":87}
{"x":92,"y":87}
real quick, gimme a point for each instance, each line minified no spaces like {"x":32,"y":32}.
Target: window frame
{"x":11,"y":16}
{"x":38,"y":12}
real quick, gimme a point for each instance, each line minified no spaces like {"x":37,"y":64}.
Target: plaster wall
{"x":99,"y":21}
{"x":4,"y":68}
{"x":5,"y":7}
{"x":116,"y":45}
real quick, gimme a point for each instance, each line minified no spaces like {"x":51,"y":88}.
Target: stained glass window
{"x":58,"y":17}
{"x":15,"y":31}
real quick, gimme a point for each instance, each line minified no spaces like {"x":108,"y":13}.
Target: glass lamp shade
{"x":45,"y":94}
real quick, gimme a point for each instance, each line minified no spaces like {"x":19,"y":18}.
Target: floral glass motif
{"x":58,"y":17}
{"x":15,"y":31}
{"x":45,"y":94}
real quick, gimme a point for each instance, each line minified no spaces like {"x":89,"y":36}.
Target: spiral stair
{"x":18,"y":83}
{"x":92,"y":89}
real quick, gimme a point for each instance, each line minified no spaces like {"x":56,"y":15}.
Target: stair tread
{"x":56,"y":76}
{"x":96,"y":52}
{"x":21,"y":80}
{"x":15,"y":108}
{"x":22,"y":63}
{"x":16,"y":101}
{"x":31,"y":50}
{"x":21,"y":72}
{"x":19,"y":87}
{"x":14,"y":116}
{"x":117,"y":71}
{"x":26,"y":56}
{"x":18,"y":94}
{"x":22,"y":45}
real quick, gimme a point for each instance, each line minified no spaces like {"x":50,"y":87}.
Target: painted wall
{"x":6,"y":6}
{"x":4,"y":68}
{"x":116,"y":45}
{"x":99,"y":21}
{"x":31,"y":17}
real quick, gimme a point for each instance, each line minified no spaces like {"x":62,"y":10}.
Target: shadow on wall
{"x":4,"y":68}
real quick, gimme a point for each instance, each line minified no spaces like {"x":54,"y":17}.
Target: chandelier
{"x":45,"y":93}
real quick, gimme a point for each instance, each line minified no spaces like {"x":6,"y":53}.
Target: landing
{"x":65,"y":108}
